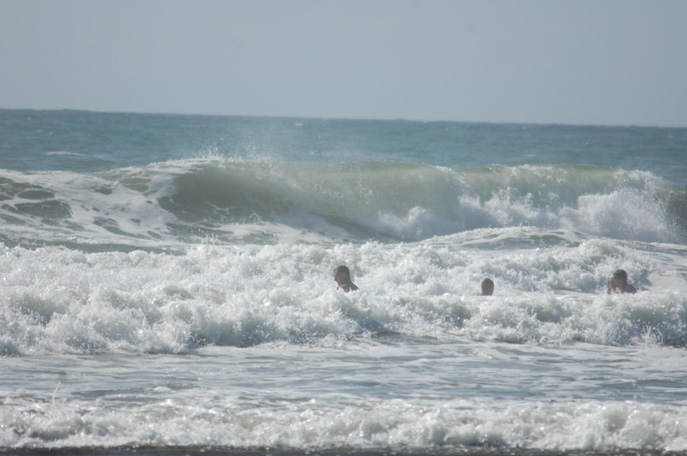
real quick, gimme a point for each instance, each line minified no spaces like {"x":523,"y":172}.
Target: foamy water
{"x":186,"y":300}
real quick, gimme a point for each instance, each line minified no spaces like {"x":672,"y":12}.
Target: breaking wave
{"x":262,"y":202}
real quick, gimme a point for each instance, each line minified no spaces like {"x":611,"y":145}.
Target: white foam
{"x":67,"y":301}
{"x":282,"y":302}
{"x":560,"y":426}
{"x":62,"y":152}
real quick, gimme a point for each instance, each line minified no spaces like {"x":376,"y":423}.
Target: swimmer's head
{"x":342,"y":276}
{"x":487,"y":287}
{"x":620,"y":275}
{"x":342,"y":273}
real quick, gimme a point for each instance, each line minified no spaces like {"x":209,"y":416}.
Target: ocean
{"x":167,"y":286}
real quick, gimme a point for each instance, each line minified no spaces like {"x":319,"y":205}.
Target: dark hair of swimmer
{"x":617,"y":283}
{"x":487,"y":287}
{"x":342,"y":276}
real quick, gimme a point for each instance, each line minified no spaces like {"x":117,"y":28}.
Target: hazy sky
{"x":615,"y":62}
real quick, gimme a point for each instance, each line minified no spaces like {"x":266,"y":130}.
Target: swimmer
{"x":343,"y":278}
{"x":617,"y":283}
{"x":487,"y":288}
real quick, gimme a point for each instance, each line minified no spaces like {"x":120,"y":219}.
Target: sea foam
{"x":458,"y":423}
{"x":64,"y":301}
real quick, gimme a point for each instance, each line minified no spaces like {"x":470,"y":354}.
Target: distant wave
{"x":265,"y":202}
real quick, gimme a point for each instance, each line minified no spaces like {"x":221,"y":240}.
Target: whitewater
{"x":167,"y":286}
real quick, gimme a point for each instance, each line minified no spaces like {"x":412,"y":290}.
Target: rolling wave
{"x":266,"y":202}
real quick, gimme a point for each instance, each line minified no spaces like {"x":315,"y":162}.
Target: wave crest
{"x":265,"y":202}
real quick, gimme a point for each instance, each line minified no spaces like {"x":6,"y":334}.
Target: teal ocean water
{"x":167,"y":286}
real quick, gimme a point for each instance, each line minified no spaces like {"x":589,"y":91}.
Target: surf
{"x":247,"y":201}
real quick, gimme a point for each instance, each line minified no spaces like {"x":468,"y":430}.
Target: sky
{"x":592,"y":62}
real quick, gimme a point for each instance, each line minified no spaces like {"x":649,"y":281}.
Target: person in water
{"x":487,"y":288}
{"x":617,"y":283}
{"x":342,"y":276}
